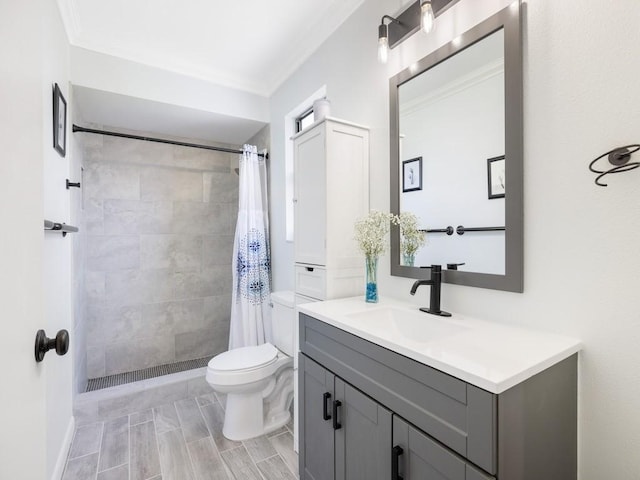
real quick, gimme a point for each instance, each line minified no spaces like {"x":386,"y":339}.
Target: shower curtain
{"x":250,"y":310}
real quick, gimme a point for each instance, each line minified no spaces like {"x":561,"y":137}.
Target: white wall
{"x":581,"y":98}
{"x":56,"y":249}
{"x":78,"y":250}
{"x":113,"y":74}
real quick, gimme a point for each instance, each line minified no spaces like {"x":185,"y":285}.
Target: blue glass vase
{"x":371,"y":295}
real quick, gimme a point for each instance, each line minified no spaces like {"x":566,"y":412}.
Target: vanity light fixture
{"x":383,"y":39}
{"x":419,"y":15}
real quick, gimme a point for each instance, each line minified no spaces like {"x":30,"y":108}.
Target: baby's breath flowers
{"x":412,"y":239}
{"x":372,"y":233}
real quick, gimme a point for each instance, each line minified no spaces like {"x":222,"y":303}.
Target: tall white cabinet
{"x":331,"y":191}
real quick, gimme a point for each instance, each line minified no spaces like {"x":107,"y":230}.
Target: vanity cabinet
{"x":331,"y":191}
{"x":411,"y":421}
{"x":416,"y":456}
{"x":346,"y":434}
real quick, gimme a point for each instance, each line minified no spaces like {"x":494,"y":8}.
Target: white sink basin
{"x":416,"y":326}
{"x":490,"y":355}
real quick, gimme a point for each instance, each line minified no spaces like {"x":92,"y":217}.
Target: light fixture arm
{"x":390,"y":18}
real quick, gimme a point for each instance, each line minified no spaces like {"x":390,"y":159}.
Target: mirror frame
{"x":513,"y":279}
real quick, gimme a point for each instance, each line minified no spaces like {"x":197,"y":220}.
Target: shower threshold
{"x":145,"y":373}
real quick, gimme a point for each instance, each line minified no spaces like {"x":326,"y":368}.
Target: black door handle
{"x":336,"y":404}
{"x":325,"y":408}
{"x":43,"y":344}
{"x":395,"y":460}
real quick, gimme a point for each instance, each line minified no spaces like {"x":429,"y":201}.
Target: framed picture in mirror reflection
{"x":496,"y":177}
{"x":412,"y":174}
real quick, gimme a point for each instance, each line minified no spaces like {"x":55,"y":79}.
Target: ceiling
{"x":249,"y":45}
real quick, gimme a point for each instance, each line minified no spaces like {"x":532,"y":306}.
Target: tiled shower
{"x":157,"y":225}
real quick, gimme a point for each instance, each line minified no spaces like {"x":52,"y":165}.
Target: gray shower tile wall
{"x":137,"y":217}
{"x":159,"y":222}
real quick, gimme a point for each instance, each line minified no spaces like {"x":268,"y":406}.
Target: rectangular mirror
{"x":456,"y":157}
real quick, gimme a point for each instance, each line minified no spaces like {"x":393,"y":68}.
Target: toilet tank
{"x":282,"y":321}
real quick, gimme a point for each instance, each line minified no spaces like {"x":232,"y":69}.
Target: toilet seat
{"x":245,"y":358}
{"x":252,"y":364}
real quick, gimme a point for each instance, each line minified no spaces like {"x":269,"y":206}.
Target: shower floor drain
{"x":145,"y":373}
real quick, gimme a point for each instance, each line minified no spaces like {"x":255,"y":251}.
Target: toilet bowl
{"x":258,"y":380}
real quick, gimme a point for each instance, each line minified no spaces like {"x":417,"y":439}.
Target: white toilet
{"x":258,"y":380}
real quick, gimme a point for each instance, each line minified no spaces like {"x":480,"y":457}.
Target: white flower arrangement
{"x":372,"y":233}
{"x":412,"y":239}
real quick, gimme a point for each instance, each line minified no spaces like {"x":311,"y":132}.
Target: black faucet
{"x":436,"y":286}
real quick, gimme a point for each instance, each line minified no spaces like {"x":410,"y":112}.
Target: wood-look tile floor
{"x":178,"y":441}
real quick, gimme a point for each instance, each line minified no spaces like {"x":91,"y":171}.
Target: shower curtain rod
{"x":77,"y":128}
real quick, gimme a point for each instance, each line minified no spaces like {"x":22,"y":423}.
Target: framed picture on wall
{"x":59,"y":121}
{"x":496,"y":177}
{"x":412,"y":174}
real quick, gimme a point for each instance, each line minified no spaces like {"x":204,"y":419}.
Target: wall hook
{"x":619,"y":158}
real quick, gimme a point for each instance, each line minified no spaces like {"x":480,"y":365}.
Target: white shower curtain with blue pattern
{"x":250,"y":310}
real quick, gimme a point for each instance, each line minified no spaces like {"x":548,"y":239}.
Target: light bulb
{"x":383,"y":49}
{"x":383,"y":42}
{"x":427,"y":18}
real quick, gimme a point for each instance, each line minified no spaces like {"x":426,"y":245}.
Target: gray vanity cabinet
{"x":363,"y":441}
{"x":418,"y":457}
{"x":315,"y":422}
{"x":400,"y":419}
{"x":344,"y":434}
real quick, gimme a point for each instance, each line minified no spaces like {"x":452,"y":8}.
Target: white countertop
{"x":492,"y":356}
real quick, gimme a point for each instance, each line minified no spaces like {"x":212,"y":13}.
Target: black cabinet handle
{"x":336,"y":404}
{"x":325,"y":408}
{"x":395,"y":460}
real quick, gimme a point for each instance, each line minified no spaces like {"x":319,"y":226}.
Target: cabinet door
{"x":316,"y":456}
{"x":416,"y":456}
{"x":347,"y":191}
{"x":310,"y":197}
{"x":363,"y":436}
